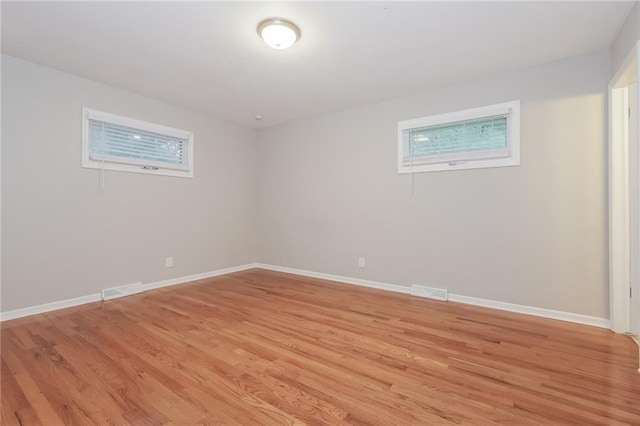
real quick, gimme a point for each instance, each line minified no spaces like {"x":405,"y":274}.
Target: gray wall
{"x":534,"y":234}
{"x":324,"y":192}
{"x":63,"y":238}
{"x":626,"y":39}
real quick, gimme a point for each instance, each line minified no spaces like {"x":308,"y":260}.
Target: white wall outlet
{"x":168,"y":262}
{"x":361,"y":262}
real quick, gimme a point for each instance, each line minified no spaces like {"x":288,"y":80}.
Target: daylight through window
{"x":481,"y":137}
{"x":119,"y":143}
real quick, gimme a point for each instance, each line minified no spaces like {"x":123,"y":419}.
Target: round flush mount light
{"x":278,"y":33}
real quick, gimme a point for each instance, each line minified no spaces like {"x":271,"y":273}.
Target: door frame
{"x":620,"y":260}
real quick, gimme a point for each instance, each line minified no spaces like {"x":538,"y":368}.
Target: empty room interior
{"x":263,"y":213}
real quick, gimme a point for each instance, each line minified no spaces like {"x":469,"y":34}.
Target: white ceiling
{"x":208,"y":56}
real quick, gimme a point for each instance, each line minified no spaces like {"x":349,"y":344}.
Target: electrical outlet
{"x":361,"y":262}
{"x":168,"y":262}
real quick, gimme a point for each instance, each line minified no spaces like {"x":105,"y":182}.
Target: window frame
{"x":87,"y":162}
{"x":512,"y":109}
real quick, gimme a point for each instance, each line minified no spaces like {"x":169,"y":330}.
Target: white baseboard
{"x":47,"y":307}
{"x":195,"y":277}
{"x":348,"y":280}
{"x":96,"y":297}
{"x":532,"y":310}
{"x":511,"y":307}
{"x":504,"y":306}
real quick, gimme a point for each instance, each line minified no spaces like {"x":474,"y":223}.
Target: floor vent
{"x":429,"y":292}
{"x":121,"y":291}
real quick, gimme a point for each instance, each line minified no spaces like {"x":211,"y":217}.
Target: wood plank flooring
{"x":265,"y":348}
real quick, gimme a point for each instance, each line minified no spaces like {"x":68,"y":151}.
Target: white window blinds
{"x":113,"y":142}
{"x":487,"y":136}
{"x":126,"y":145}
{"x":484,"y":138}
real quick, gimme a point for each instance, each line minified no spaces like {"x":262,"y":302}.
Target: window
{"x":480,"y":137}
{"x":111,"y":142}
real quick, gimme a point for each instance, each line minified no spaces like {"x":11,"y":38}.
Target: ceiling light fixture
{"x":278,"y":32}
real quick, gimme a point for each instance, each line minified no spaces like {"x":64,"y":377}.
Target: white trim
{"x":134,"y":123}
{"x":462,"y":115}
{"x":634,"y":262}
{"x":510,"y":109}
{"x":618,"y":213}
{"x":96,"y":297}
{"x":195,"y":277}
{"x":461,"y":165}
{"x":347,"y":280}
{"x":619,"y":225}
{"x":48,"y":307}
{"x":532,"y":310}
{"x":494,"y":304}
{"x":128,"y":168}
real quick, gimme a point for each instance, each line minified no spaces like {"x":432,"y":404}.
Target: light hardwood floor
{"x":263,"y":348}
